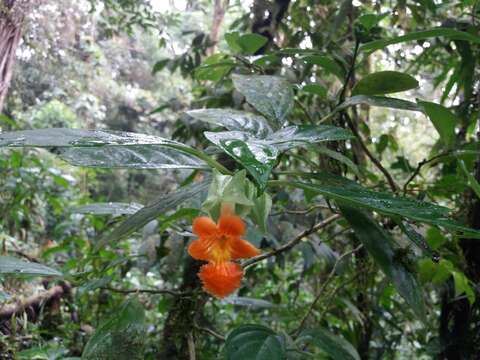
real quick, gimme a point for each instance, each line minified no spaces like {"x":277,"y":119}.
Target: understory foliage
{"x":326,"y":154}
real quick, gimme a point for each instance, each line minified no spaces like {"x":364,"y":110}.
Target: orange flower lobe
{"x":220,"y":280}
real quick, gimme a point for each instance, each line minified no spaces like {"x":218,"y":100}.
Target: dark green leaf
{"x":270,"y":95}
{"x":315,"y":89}
{"x":160,"y":65}
{"x":326,"y":63}
{"x":250,"y":302}
{"x":214,"y":68}
{"x":234,"y":120}
{"x":110,"y":208}
{"x":384,"y":82}
{"x":417,"y":239}
{"x":421,"y":35}
{"x":335,"y":346}
{"x":380,"y":101}
{"x":443,"y":120}
{"x":121,"y":337}
{"x":380,"y":245}
{"x":13,"y":266}
{"x":352,"y":193}
{"x":251,"y":43}
{"x":254,"y":342}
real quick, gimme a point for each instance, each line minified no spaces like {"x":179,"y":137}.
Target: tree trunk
{"x":219,"y":10}
{"x":12,"y":14}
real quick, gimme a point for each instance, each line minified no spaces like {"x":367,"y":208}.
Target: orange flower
{"x":219,"y":244}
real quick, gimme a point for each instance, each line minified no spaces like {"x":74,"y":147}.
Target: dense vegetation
{"x":344,"y":136}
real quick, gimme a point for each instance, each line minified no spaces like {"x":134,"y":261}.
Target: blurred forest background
{"x":324,"y":291}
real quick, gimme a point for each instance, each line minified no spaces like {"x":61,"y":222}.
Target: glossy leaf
{"x":380,"y":245}
{"x":110,"y":208}
{"x":148,"y":213}
{"x":249,"y":302}
{"x":443,"y":120}
{"x":12,"y":266}
{"x":121,"y":337}
{"x":326,"y":63}
{"x":420,"y":35}
{"x":234,"y":120}
{"x":384,"y":82}
{"x":353,"y":194}
{"x":256,"y":155}
{"x":102,"y":148}
{"x":335,"y":346}
{"x":270,"y":95}
{"x":254,"y":342}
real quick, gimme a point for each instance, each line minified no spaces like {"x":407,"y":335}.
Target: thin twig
{"x":146,"y":291}
{"x":306,"y":112}
{"x":292,"y":242}
{"x":372,"y":158}
{"x":320,"y":292}
{"x":211,"y":332}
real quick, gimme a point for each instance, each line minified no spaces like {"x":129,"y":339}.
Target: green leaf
{"x":443,"y":120}
{"x":420,"y":35}
{"x":370,"y":20}
{"x":110,"y":208}
{"x":234,"y":120}
{"x":214,"y":68}
{"x":104,"y":148}
{"x":260,"y":211}
{"x":472,"y":182}
{"x":270,"y":95}
{"x":462,"y":286}
{"x":234,"y":190}
{"x":151,"y":212}
{"x":353,"y":194}
{"x":327,"y":64}
{"x":417,"y":239}
{"x":160,"y":65}
{"x":335,"y":346}
{"x":258,"y":156}
{"x":384,"y":82}
{"x":232,"y":40}
{"x":13,"y":266}
{"x":380,"y":101}
{"x":254,"y":342}
{"x":316,"y":90}
{"x":121,"y":337}
{"x":251,"y":43}
{"x":246,"y":301}
{"x":380,"y":245}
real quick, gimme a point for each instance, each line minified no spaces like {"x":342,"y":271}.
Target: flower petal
{"x":204,"y":226}
{"x":231,"y":225}
{"x":242,"y":249}
{"x":222,"y":279}
{"x":199,"y":249}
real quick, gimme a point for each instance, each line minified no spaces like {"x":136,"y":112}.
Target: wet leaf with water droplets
{"x":110,"y":208}
{"x":270,"y":95}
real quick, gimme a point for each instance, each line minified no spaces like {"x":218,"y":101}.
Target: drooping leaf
{"x":12,"y":266}
{"x":270,"y":95}
{"x":326,"y":63}
{"x":151,"y":212}
{"x":417,"y":239}
{"x":254,"y":342}
{"x":335,"y":346}
{"x":443,"y":120}
{"x":110,"y":208}
{"x":380,"y":245}
{"x":106,"y":148}
{"x":384,"y":82}
{"x":234,"y":120}
{"x":121,"y":337}
{"x":245,"y":301}
{"x":420,"y":35}
{"x":353,"y":194}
